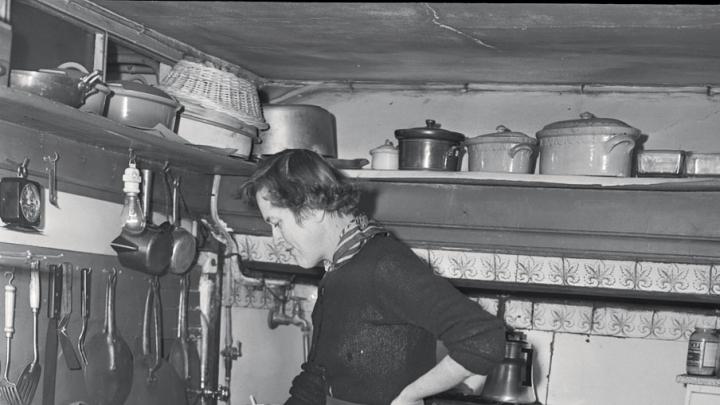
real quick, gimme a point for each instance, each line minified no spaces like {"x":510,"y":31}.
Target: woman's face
{"x":305,"y":240}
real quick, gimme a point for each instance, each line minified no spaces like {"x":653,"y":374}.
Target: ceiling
{"x":448,"y":42}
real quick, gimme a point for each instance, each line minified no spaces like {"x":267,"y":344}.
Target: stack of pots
{"x":588,"y":146}
{"x":430,"y":148}
{"x":503,"y":151}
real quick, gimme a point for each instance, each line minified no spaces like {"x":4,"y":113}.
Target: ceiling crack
{"x":436,"y":21}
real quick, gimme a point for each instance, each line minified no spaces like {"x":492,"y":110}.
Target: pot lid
{"x":588,"y":124}
{"x":430,"y":130}
{"x":388,"y":147}
{"x":503,"y":135}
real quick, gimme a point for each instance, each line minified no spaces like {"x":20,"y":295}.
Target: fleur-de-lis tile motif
{"x":643,"y":277}
{"x":278,"y":252}
{"x":673,"y":279}
{"x":715,"y":279}
{"x":505,"y":267}
{"x":560,"y":273}
{"x":600,"y":274}
{"x":463,"y":267}
{"x":528,"y":270}
{"x":562,"y":318}
{"x":622,"y":322}
{"x":629,"y":277}
{"x":435,"y":262}
{"x":518,"y":314}
{"x":247,"y":247}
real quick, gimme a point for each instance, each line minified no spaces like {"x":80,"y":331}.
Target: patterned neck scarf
{"x":353,"y":238}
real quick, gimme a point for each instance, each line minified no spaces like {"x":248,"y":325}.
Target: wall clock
{"x":21,"y":202}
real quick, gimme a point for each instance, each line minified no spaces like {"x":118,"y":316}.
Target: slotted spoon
{"x":30,"y":377}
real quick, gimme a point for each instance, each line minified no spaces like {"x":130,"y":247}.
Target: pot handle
{"x":613,"y":142}
{"x":521,"y":147}
{"x":527,"y":378}
{"x":73,"y":65}
{"x":456,"y":151}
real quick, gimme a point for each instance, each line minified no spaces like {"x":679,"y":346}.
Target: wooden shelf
{"x":538,"y":180}
{"x":661,"y":220}
{"x":46,"y":116}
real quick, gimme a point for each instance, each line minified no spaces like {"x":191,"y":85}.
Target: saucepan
{"x":62,"y":84}
{"x":150,"y":250}
{"x":430,"y":148}
{"x":139,"y":105}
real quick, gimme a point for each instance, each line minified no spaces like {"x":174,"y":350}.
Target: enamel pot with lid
{"x":502,"y":151}
{"x":430,"y":148}
{"x":589,"y":146}
{"x":141,"y":105}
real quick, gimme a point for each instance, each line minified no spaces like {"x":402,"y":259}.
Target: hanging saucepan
{"x":587,"y":146}
{"x":430,"y":148}
{"x":503,"y":151}
{"x":61,"y":84}
{"x":184,"y":244}
{"x":150,"y":250}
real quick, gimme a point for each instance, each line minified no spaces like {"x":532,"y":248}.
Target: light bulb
{"x":132,"y":217}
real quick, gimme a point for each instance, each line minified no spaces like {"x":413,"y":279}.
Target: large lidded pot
{"x":430,"y":148}
{"x":587,"y":146}
{"x":503,"y":151}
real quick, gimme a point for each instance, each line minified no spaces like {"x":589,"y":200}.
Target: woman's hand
{"x":407,"y":400}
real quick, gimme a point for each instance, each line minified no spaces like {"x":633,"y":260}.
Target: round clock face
{"x":30,"y":202}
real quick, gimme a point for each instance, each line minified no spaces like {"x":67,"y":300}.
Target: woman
{"x":380,"y":309}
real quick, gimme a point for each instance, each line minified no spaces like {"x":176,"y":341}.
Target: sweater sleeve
{"x":407,"y":288}
{"x":308,"y":387}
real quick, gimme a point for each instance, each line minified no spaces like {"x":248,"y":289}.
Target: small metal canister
{"x":702,"y":355}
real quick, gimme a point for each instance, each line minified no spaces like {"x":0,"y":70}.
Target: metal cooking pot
{"x":589,"y":146}
{"x":150,"y":250}
{"x":502,"y":151}
{"x":141,"y":105}
{"x":56,"y":84}
{"x":297,"y":126}
{"x":430,"y":148}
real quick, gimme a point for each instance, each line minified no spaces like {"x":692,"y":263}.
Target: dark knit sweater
{"x":375,"y":326}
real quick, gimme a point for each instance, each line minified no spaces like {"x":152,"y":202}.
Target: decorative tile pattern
{"x":601,"y":273}
{"x":715,"y":279}
{"x":460,"y":264}
{"x":542,"y":270}
{"x":505,"y":267}
{"x":264,"y":249}
{"x":669,"y":325}
{"x":255,"y":297}
{"x":612,"y":321}
{"x":518,"y":314}
{"x":562,"y":318}
{"x":488,"y":304}
{"x":674,"y":277}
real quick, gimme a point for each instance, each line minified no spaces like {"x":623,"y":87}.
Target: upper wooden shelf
{"x":539,"y":180}
{"x":46,"y":116}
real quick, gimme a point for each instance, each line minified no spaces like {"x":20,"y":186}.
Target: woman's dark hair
{"x":300,"y":179}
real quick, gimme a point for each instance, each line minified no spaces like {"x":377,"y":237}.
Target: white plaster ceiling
{"x":448,"y":42}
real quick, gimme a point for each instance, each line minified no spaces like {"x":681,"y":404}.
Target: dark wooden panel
{"x":130,"y":298}
{"x":648,"y":224}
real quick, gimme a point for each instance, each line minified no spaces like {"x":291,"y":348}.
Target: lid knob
{"x":502,"y":128}
{"x":431,"y":124}
{"x":587,"y":115}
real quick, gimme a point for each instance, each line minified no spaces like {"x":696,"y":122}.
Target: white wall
{"x":569,"y":365}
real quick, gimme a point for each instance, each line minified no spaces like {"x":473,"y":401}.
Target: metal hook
{"x":10,"y":275}
{"x":22,"y":170}
{"x":131,"y":156}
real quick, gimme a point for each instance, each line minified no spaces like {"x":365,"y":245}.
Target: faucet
{"x":278,"y":316}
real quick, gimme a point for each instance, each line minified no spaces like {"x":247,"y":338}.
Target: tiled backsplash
{"x":580,"y":317}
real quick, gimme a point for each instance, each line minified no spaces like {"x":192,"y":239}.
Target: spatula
{"x":8,"y":390}
{"x":71,"y":359}
{"x":30,"y":377}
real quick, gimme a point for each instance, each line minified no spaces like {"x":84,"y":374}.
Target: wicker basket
{"x":215,"y":89}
